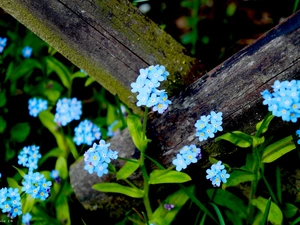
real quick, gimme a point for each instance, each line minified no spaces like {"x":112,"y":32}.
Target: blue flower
{"x":217,"y":174}
{"x":10,"y":202}
{"x":284,"y":102}
{"x":67,"y":110}
{"x":86,"y":133}
{"x":179,"y":162}
{"x":26,"y":218}
{"x":2,"y":44}
{"x":36,"y":185}
{"x":29,"y":157}
{"x":35,"y":106}
{"x":207,"y":126}
{"x":186,"y":156}
{"x":111,"y":130}
{"x":27,"y":51}
{"x":55,"y":176}
{"x":146,"y":88}
{"x":97,"y":158}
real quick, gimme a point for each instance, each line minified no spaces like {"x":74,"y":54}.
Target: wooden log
{"x":232,"y":88}
{"x":110,"y":39}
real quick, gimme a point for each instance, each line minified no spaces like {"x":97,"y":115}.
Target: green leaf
{"x":266,"y":212}
{"x":228,"y":200}
{"x":167,"y":176}
{"x":24,"y":68}
{"x":118,"y":188}
{"x":2,"y":98}
{"x":219,"y":214}
{"x":263,"y":125}
{"x":47,"y":119}
{"x":72,"y":147}
{"x":52,"y":95}
{"x":231,"y":8}
{"x":20,"y":132}
{"x":21,"y":172}
{"x":127,"y":169}
{"x":89,"y":81}
{"x":78,"y":74}
{"x":275,"y":215}
{"x":2,"y":125}
{"x":278,"y":149}
{"x":27,"y":204}
{"x":13,"y":184}
{"x":237,"y":177}
{"x":237,"y":138}
{"x":62,"y":209}
{"x":165,"y":217}
{"x":289,"y":210}
{"x":53,"y":65}
{"x":62,"y":167}
{"x":136,"y":131}
{"x":55,"y":152}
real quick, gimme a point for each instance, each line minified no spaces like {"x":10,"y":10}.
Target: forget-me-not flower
{"x":67,"y":110}
{"x":97,"y":158}
{"x":86,"y":133}
{"x":146,"y":88}
{"x":26,"y":218}
{"x":186,"y":156}
{"x":29,"y":157}
{"x":36,"y":105}
{"x":10,"y":202}
{"x":284,"y":102}
{"x":2,"y":44}
{"x":26,"y":52}
{"x":207,"y":126}
{"x":217,"y":174}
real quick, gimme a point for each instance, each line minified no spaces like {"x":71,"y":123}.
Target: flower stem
{"x":145,"y":121}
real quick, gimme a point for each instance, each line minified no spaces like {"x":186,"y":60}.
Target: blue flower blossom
{"x":86,"y":133}
{"x":35,"y":106}
{"x":97,"y":158}
{"x":27,"y":51}
{"x":55,"y":176}
{"x":67,"y":110}
{"x":217,"y":174}
{"x":111,"y":130}
{"x":2,"y":44}
{"x":36,"y":185}
{"x":29,"y":157}
{"x":146,"y":88}
{"x":186,"y":156}
{"x":10,"y":202}
{"x":26,"y":218}
{"x":284,"y":102}
{"x":207,"y":126}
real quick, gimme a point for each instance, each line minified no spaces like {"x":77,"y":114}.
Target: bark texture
{"x":232,"y":88}
{"x":111,"y":40}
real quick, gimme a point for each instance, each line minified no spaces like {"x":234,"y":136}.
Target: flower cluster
{"x":36,"y":185}
{"x":97,"y":158}
{"x":169,"y":206}
{"x":217,"y":173}
{"x":86,"y":133}
{"x":26,"y":218}
{"x":67,"y":110}
{"x":35,"y":106}
{"x":29,"y":157}
{"x":284,"y":102}
{"x":10,"y":201}
{"x":2,"y":44}
{"x":207,"y":126}
{"x":186,"y":156}
{"x":146,"y":86}
{"x":26,"y":52}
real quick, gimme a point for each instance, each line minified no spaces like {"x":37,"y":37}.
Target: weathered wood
{"x":111,"y":40}
{"x":232,"y":88}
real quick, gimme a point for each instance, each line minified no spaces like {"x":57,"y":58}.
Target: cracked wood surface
{"x":110,"y":39}
{"x":232,"y":88}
